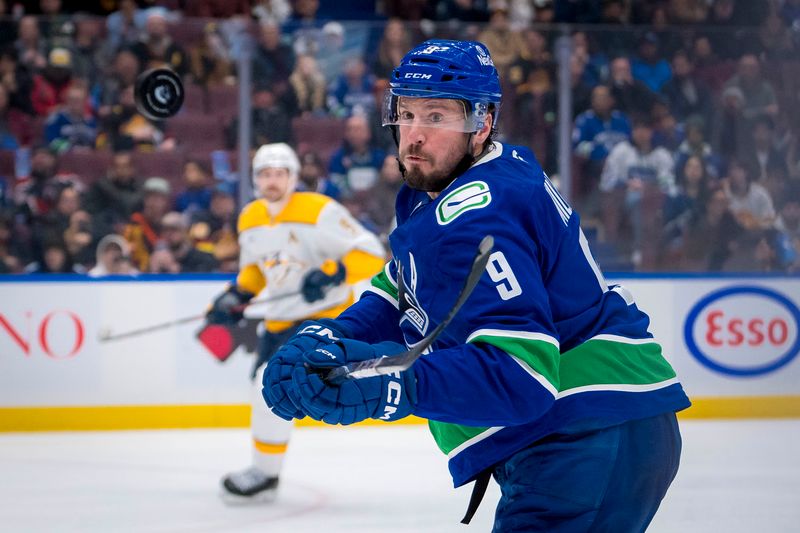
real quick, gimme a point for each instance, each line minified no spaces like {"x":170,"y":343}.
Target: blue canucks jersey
{"x":543,"y":345}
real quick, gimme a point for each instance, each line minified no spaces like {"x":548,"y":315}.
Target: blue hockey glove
{"x":278,"y":390}
{"x":316,"y":281}
{"x":388,"y":397}
{"x":228,"y":307}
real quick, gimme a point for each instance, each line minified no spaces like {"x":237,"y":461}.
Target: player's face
{"x":428,"y":151}
{"x":272,"y":184}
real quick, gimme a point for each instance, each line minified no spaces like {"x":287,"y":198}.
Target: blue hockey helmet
{"x":459,"y":70}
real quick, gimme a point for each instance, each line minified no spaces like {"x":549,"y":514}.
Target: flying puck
{"x":159,"y":93}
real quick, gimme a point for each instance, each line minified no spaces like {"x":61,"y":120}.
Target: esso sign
{"x":743,"y":331}
{"x":58,"y":334}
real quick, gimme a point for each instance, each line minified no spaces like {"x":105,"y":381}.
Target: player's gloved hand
{"x":278,"y":390}
{"x":388,"y":397}
{"x":228,"y":307}
{"x":316,"y":281}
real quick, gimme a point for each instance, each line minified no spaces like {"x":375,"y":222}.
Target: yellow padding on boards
{"x":120,"y":417}
{"x":238,"y":415}
{"x":273,"y":449}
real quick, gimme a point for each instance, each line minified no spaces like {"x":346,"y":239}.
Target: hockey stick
{"x":387,"y":364}
{"x":105,"y":335}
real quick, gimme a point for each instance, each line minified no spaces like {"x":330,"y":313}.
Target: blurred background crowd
{"x":685,"y":146}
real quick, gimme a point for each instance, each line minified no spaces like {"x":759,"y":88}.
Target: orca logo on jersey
{"x":319,"y":331}
{"x":473,"y":195}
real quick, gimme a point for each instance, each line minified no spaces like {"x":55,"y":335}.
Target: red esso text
{"x":730,"y":330}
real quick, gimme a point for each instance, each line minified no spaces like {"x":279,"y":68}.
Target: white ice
{"x":735,"y":477}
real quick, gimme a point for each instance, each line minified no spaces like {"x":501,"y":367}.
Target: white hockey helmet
{"x":277,"y":155}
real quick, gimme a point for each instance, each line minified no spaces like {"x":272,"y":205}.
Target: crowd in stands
{"x":685,"y":140}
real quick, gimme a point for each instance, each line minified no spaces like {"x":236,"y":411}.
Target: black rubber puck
{"x":159,"y":93}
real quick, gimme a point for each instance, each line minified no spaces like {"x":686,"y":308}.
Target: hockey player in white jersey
{"x":301,"y":253}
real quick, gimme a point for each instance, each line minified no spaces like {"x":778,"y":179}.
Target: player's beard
{"x":443,"y":172}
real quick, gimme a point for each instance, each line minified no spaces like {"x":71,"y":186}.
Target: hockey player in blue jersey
{"x":547,"y":379}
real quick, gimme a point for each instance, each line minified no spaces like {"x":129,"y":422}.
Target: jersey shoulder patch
{"x":466,"y":197}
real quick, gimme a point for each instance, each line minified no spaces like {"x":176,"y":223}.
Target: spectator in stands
{"x":648,"y":66}
{"x":731,"y":133}
{"x":271,"y":120}
{"x":112,"y":199}
{"x":313,"y":177}
{"x":113,"y":257}
{"x":275,"y":10}
{"x":50,"y":87}
{"x":790,"y":12}
{"x":13,"y":252}
{"x":71,"y":126}
{"x":353,"y":90}
{"x":721,"y":17}
{"x":750,"y":202}
{"x":124,"y":70}
{"x":209,"y":61}
{"x":775,"y":39}
{"x":764,"y":149}
{"x":631,"y":167}
{"x":381,"y":198}
{"x":581,"y":91}
{"x":395,"y":42}
{"x":593,"y":58}
{"x":711,"y":235}
{"x":8,"y":138}
{"x":535,"y":112}
{"x":685,"y":94}
{"x":80,"y":239}
{"x":215,"y":228}
{"x":124,"y":128}
{"x":54,"y":24}
{"x":51,"y":226}
{"x":333,"y":50}
{"x":355,"y":166}
{"x":272,"y":60}
{"x":688,"y":11}
{"x":178,"y":253}
{"x":309,"y":86}
{"x":631,"y":96}
{"x":35,"y":195}
{"x":155,"y":48}
{"x":87,"y":48}
{"x":125,"y":25}
{"x":8,"y":26}
{"x":143,"y":232}
{"x":788,"y":225}
{"x":461,"y":10}
{"x":504,"y":43}
{"x":17,"y":81}
{"x":695,"y":145}
{"x":55,"y":260}
{"x":534,"y":55}
{"x":693,"y":185}
{"x":667,"y":131}
{"x":31,"y":47}
{"x":598,"y":130}
{"x":759,"y":96}
{"x":196,"y":193}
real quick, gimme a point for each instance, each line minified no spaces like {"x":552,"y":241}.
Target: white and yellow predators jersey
{"x":277,"y":253}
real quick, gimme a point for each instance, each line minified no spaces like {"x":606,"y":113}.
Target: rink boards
{"x":733,"y":341}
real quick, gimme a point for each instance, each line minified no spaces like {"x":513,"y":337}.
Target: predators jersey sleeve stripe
{"x":250,"y":279}
{"x":360,"y":265}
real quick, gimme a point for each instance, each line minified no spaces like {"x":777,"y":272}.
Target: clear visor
{"x":433,"y":109}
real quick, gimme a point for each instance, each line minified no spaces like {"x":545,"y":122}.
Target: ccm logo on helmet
{"x":417,"y":75}
{"x":743,"y":331}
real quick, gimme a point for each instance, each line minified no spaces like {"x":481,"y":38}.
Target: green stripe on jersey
{"x":600,"y":362}
{"x":542,"y":357}
{"x":450,"y":436}
{"x":382,"y":281}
